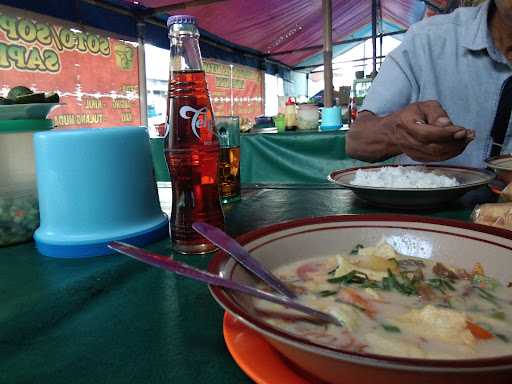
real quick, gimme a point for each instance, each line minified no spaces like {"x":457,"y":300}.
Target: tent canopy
{"x":275,"y":35}
{"x":273,"y":26}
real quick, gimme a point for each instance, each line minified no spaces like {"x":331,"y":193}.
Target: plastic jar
{"x":308,"y":116}
{"x":19,"y":213}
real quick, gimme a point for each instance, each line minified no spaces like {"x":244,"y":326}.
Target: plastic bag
{"x":495,"y":215}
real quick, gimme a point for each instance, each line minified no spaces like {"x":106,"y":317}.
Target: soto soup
{"x":394,"y":305}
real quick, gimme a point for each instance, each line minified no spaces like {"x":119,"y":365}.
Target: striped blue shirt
{"x":452,"y":59}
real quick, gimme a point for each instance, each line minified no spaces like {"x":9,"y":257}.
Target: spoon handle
{"x":240,"y":254}
{"x":209,"y":278}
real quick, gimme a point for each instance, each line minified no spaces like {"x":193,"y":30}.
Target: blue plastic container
{"x":331,"y":118}
{"x":95,"y":185}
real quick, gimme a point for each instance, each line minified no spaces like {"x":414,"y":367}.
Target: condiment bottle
{"x":290,"y":115}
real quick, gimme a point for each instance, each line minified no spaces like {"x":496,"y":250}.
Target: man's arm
{"x":371,"y":138}
{"x":422,"y":130}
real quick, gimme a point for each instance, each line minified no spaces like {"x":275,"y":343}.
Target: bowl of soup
{"x":419,"y":300}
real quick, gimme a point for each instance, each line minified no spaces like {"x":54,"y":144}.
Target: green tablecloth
{"x":292,"y":157}
{"x":114,"y":320}
{"x":284,"y":158}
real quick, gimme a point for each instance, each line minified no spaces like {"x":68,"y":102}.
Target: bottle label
{"x":198,"y":116}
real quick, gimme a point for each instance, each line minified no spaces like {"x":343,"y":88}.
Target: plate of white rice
{"x":410,"y":186}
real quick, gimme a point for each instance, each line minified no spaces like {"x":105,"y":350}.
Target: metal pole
{"x":231,"y":88}
{"x":381,"y":31}
{"x":143,"y":95}
{"x":307,"y":85}
{"x":346,"y":61}
{"x":328,"y":88}
{"x":381,"y":56}
{"x":342,"y":42}
{"x":374,"y":36}
{"x":179,"y":6}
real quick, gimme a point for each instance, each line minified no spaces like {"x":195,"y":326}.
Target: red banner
{"x":96,"y":76}
{"x":235,"y":90}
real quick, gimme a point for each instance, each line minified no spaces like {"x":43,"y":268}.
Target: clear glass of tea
{"x":228,"y":131}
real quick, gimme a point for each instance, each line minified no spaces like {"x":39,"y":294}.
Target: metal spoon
{"x":209,"y":278}
{"x":222,"y":240}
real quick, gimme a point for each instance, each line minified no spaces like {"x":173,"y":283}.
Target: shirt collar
{"x":478,"y":36}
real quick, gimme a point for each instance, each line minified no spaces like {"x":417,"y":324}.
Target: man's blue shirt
{"x":451,"y":59}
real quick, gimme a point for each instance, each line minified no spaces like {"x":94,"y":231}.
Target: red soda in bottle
{"x":191,"y":145}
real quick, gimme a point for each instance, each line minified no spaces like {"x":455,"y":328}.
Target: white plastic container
{"x":308,"y":117}
{"x":19,"y":214}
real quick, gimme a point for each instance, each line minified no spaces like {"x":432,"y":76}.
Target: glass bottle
{"x":191,"y":145}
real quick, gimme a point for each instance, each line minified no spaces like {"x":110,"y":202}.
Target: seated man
{"x":439,"y":91}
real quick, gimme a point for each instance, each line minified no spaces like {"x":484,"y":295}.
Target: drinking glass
{"x":228,"y":128}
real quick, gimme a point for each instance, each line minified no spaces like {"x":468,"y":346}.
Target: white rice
{"x":402,"y":177}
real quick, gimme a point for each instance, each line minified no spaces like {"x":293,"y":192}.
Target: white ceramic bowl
{"x":450,"y":241}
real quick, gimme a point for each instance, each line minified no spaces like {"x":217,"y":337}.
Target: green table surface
{"x":112,"y":320}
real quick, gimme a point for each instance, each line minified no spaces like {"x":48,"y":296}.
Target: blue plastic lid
{"x":181,"y":19}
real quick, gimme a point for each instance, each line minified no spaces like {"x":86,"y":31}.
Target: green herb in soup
{"x":395,"y":305}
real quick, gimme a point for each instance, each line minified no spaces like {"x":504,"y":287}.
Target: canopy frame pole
{"x":179,"y":6}
{"x":143,"y":94}
{"x":364,"y":59}
{"x":374,"y":36}
{"x":307,"y":85}
{"x":381,"y":32}
{"x":328,"y":86}
{"x":334,"y":43}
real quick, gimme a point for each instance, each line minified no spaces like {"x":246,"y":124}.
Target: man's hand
{"x":424,"y":132}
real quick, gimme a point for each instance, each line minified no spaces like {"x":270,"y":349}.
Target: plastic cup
{"x":280,"y":123}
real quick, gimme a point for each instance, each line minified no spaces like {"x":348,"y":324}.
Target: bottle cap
{"x":181,"y":19}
